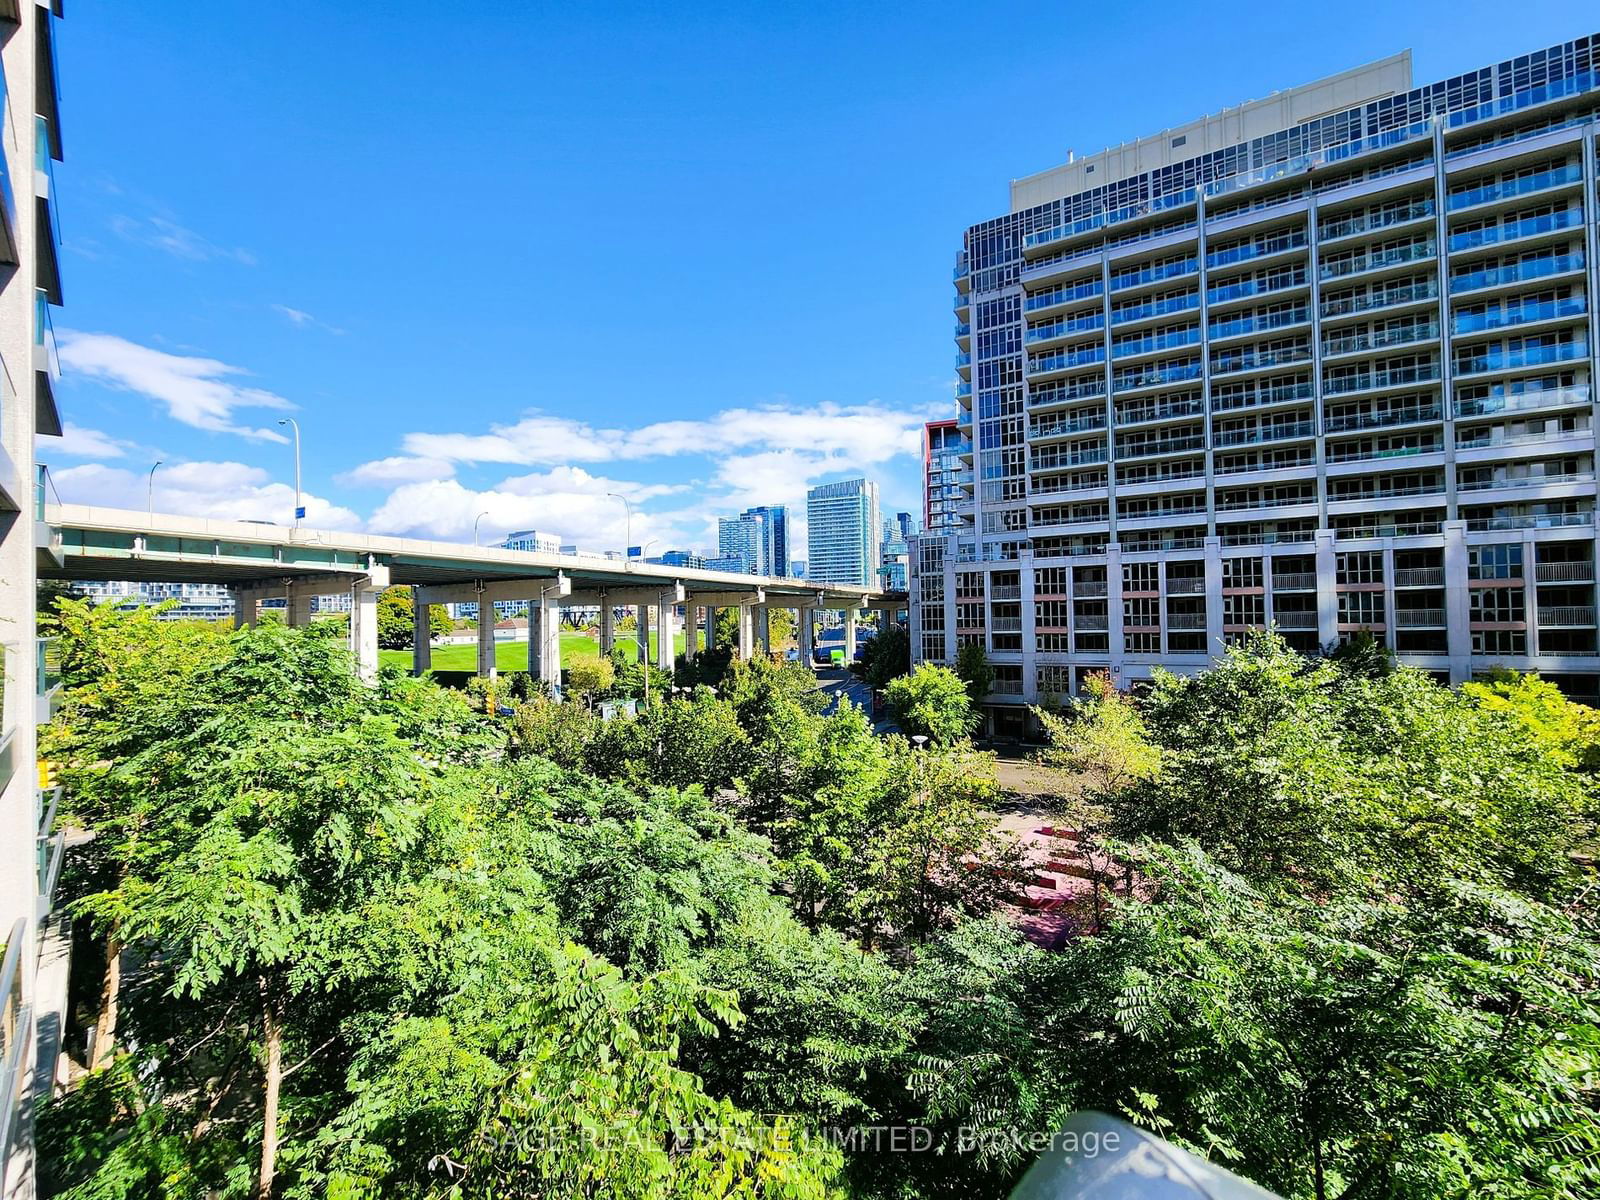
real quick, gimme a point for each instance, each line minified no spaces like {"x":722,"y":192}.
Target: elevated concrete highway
{"x":258,"y":561}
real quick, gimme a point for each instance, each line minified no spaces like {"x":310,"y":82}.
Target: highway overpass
{"x":259,"y":561}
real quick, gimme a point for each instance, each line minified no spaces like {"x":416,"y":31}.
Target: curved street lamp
{"x":478,"y":518}
{"x":299,"y":503}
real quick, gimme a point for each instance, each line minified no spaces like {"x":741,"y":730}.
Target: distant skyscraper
{"x":680,"y":558}
{"x":758,"y":537}
{"x":844,"y":534}
{"x":777,"y":520}
{"x":532,"y":539}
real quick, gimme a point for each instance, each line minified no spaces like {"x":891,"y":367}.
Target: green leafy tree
{"x":972,"y":665}
{"x":591,"y":677}
{"x":887,"y":656}
{"x":932,"y":702}
{"x":397,"y":619}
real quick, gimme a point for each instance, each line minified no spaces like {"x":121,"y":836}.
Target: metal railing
{"x":1295,"y":581}
{"x":1418,"y":618}
{"x":16,"y":1036}
{"x":1564,"y":572}
{"x":1567,"y":614}
{"x":1411,"y":577}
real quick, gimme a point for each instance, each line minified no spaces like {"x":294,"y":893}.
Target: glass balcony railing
{"x":1519,"y":272}
{"x":1499,"y":401}
{"x":1522,"y":185}
{"x":964,"y":388}
{"x":1224,"y":401}
{"x":1152,"y":378}
{"x":1270,"y":433}
{"x":964,"y":359}
{"x":963,"y":330}
{"x":1255,"y":287}
{"x":1416,"y":252}
{"x":1089,"y":424}
{"x":1062,"y":295}
{"x":1524,"y":356}
{"x":1174,"y":340}
{"x":963,"y":300}
{"x":1380,"y":339}
{"x":1382,"y":420}
{"x":47,"y":668}
{"x":1523,"y":313}
{"x":1156,"y":308}
{"x":1230,"y":363}
{"x":1259,"y":322}
{"x":1529,"y":521}
{"x":1574,"y":85}
{"x":1085,"y":324}
{"x":1160,"y":412}
{"x":1491,"y":483}
{"x":1254,"y":250}
{"x":1155,"y":274}
{"x":1382,"y":219}
{"x":1066,"y":360}
{"x":1412,"y":293}
{"x":962,"y":269}
{"x":1494,"y":235}
{"x":1398,"y":377}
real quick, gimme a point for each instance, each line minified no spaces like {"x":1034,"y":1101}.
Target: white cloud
{"x":566,"y":501}
{"x":226,"y":490}
{"x":300,"y":319}
{"x":861,"y":433}
{"x":77,"y":442}
{"x":194,"y":390}
{"x":386,"y":472}
{"x":180,"y":242}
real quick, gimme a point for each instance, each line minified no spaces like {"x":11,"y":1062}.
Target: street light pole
{"x":150,"y":489}
{"x":475,"y":521}
{"x":299,"y":503}
{"x":627,"y":547}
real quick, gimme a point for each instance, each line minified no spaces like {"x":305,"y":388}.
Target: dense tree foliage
{"x":933,"y":702}
{"x":887,"y":656}
{"x":397,"y":619}
{"x":381,"y":944}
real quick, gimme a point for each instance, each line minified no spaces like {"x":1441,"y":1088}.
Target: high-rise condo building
{"x":36,"y":941}
{"x":758,"y":537}
{"x":843,"y":533}
{"x":533,"y":540}
{"x":1323,"y":361}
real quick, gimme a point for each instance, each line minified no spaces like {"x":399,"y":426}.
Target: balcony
{"x":1179,"y":445}
{"x":1375,"y":380}
{"x":1486,"y":361}
{"x":47,"y":677}
{"x":1391,"y":492}
{"x":1419,"y":618}
{"x":1088,"y":589}
{"x":1058,"y":296}
{"x":1254,"y":251}
{"x":1498,"y":235}
{"x":1006,"y":591}
{"x":1411,"y":293}
{"x":1568,"y":520}
{"x":1577,"y":615}
{"x":1235,"y":363}
{"x":1186,"y":621}
{"x":1246,"y":288}
{"x":1094,"y":623}
{"x":1065,"y":427}
{"x":1369,"y":221}
{"x":1419,"y":577}
{"x":1186,"y":586}
{"x":1271,"y":433}
{"x":1127,"y":314}
{"x":963,"y":302}
{"x":1048,"y":394}
{"x":1508,"y":189}
{"x":1383,"y":420}
{"x":964,"y":389}
{"x":1564,"y":572}
{"x":1529,"y":400}
{"x":1523,"y":313}
{"x":1381,"y":339}
{"x":1379,"y":529}
{"x":1259,"y":323}
{"x":1036,"y":334}
{"x":1512,"y":273}
{"x":1295,"y":581}
{"x":1160,"y":412}
{"x":1160,"y":272}
{"x":1520,"y":481}
{"x":1378,"y":260}
{"x":1295,"y":619}
{"x":1260,"y":397}
{"x":1181,"y":373}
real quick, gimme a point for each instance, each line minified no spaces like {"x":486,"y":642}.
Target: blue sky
{"x":508,"y":257}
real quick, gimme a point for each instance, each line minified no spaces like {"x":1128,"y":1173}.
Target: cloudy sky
{"x":506,"y":258}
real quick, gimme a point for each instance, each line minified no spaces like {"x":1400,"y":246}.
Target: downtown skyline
{"x":437,"y":378}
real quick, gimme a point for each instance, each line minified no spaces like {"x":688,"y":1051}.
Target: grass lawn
{"x":513,"y":656}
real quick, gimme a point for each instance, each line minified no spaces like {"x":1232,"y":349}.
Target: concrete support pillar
{"x":1458,"y":602}
{"x":608,"y":632}
{"x":297,"y":609}
{"x":421,"y":638}
{"x":548,"y":639}
{"x":849,"y":636}
{"x":364,"y":628}
{"x":642,"y":633}
{"x":764,"y":628}
{"x":535,"y":616}
{"x":711,"y":627}
{"x":666,"y":628}
{"x":244,"y":608}
{"x":746,"y":632}
{"x":1327,"y":589}
{"x":486,"y":659}
{"x":1213,"y":564}
{"x":807,"y":636}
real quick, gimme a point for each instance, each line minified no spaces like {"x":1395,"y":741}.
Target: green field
{"x":513,"y":656}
